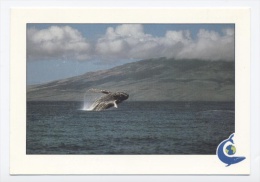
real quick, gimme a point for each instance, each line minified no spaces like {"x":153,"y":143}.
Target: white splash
{"x":89,"y":98}
{"x":87,"y":104}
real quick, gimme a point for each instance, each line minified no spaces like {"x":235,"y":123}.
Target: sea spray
{"x":86,"y":105}
{"x":90,"y":96}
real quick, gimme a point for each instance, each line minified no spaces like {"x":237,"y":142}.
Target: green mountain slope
{"x":149,"y":80}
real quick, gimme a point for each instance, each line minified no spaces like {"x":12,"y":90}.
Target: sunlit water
{"x":133,"y":128}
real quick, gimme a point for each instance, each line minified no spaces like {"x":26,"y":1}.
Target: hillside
{"x":149,"y":80}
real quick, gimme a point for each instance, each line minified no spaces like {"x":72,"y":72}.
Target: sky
{"x":56,"y":51}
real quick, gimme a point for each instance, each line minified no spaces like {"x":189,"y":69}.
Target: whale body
{"x":108,"y":100}
{"x":223,"y":157}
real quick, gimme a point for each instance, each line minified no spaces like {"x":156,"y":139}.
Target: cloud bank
{"x":129,"y":41}
{"x":57,"y":43}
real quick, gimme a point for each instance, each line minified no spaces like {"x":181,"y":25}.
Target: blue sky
{"x":56,"y":51}
{"x":93,"y":31}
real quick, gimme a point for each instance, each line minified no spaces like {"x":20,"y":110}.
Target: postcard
{"x":130,"y":91}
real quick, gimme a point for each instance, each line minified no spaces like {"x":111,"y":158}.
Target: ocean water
{"x":134,"y":128}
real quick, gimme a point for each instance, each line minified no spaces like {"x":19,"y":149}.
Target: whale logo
{"x":227,"y":159}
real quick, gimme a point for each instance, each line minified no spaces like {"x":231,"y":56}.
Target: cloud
{"x":210,"y":45}
{"x":57,"y":42}
{"x":129,"y":41}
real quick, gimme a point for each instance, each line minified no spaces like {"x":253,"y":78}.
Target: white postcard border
{"x":20,"y":163}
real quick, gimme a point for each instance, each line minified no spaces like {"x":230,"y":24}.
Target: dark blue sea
{"x":133,"y":128}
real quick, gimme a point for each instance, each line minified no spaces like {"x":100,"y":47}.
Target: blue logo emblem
{"x":225,"y":154}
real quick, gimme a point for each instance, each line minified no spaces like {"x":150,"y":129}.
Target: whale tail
{"x":231,"y":138}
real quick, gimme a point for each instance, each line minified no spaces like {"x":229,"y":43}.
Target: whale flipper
{"x":102,"y":105}
{"x":115,"y":105}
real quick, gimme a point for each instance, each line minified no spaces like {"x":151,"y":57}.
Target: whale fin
{"x":101,"y":106}
{"x":115,"y":105}
{"x":228,"y":165}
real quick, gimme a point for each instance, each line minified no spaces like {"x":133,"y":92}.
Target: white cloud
{"x":129,"y":41}
{"x":57,"y":42}
{"x":210,"y":45}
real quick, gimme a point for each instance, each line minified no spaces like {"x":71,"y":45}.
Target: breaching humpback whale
{"x":110,"y":99}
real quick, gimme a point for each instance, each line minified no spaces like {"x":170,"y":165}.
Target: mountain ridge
{"x":159,"y":79}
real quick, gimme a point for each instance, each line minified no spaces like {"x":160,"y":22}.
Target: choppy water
{"x":133,"y":128}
